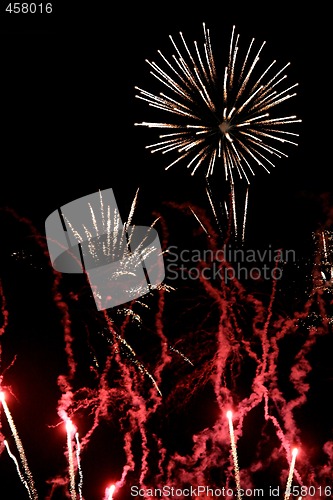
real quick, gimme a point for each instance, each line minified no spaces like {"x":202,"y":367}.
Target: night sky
{"x":68,"y":110}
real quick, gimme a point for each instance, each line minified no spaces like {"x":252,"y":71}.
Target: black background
{"x":68,"y":104}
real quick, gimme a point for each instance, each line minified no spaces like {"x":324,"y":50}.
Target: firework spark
{"x":109,"y":492}
{"x":323,"y":277}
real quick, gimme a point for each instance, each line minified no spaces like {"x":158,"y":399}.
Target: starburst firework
{"x":228,"y":120}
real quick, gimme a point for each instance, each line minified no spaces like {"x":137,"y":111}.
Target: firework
{"x":234,"y":346}
{"x":122,"y":262}
{"x":109,"y":492}
{"x":227,"y":120}
{"x":78,"y":462}
{"x":214,"y":337}
{"x":234,"y":453}
{"x":70,"y":430}
{"x":323,"y":275}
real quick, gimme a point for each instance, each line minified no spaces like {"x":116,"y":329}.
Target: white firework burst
{"x":228,"y":120}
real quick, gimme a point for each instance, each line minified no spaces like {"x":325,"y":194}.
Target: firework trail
{"x":212,"y":205}
{"x":291,"y":473}
{"x":234,"y":346}
{"x":70,"y":430}
{"x":24,"y":482}
{"x":64,"y":381}
{"x":185,"y":358}
{"x":28,"y":476}
{"x":4,"y":315}
{"x":234,"y":454}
